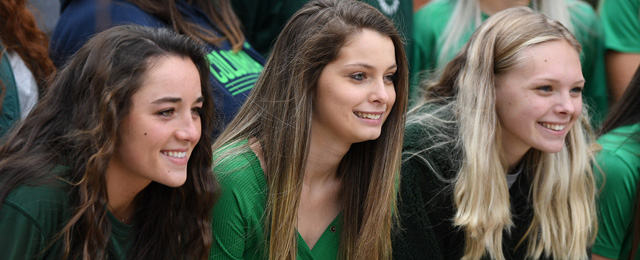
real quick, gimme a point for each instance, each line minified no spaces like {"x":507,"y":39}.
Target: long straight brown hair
{"x":219,"y":11}
{"x":75,"y":124}
{"x":278,"y":113}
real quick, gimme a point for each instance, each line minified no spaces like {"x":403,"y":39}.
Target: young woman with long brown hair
{"x":309,"y":166}
{"x":114,"y":161}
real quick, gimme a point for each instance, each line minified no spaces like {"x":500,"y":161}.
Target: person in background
{"x":264,"y":19}
{"x":24,"y":63}
{"x":619,"y":176}
{"x":310,"y":165}
{"x":235,"y":66}
{"x":114,"y":162}
{"x":622,"y":38}
{"x":497,"y":159}
{"x":442,"y":27}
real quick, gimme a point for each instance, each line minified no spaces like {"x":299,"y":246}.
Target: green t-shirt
{"x":238,"y":225}
{"x":428,"y":36}
{"x":621,"y":23}
{"x":32,"y":216}
{"x":620,"y":162}
{"x":264,"y":19}
{"x":10,"y":102}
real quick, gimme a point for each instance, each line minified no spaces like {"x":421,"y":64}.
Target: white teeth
{"x":175,"y":154}
{"x":368,"y":115}
{"x":553,"y":126}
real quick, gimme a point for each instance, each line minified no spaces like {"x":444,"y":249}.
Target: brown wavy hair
{"x":19,"y":33}
{"x":76,"y":124}
{"x":278,"y":113}
{"x":219,"y":11}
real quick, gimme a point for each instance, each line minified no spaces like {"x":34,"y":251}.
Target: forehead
{"x":557,"y":58}
{"x":367,"y":44}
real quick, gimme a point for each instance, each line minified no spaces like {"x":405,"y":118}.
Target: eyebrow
{"x":368,"y":66}
{"x":174,"y":100}
{"x":544,"y":79}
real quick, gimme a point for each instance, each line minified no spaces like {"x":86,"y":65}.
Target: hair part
{"x":76,"y":125}
{"x":278,"y":113}
{"x":563,"y":189}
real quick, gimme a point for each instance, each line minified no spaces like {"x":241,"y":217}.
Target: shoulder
{"x":238,"y":169}
{"x":619,"y":158}
{"x":433,"y":16}
{"x":45,"y":205}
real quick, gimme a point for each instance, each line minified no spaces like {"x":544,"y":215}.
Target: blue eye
{"x":544,"y":88}
{"x":358,"y":76}
{"x":577,"y":90}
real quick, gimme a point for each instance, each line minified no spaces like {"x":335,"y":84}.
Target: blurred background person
{"x":621,"y":22}
{"x":619,"y":176}
{"x":24,"y":62}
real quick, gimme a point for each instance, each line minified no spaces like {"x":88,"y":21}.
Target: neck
{"x":513,"y":156}
{"x":122,"y":189}
{"x":491,"y":7}
{"x":324,"y":157}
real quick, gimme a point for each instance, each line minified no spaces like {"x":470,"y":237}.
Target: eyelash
{"x":360,"y":76}
{"x":167,"y":112}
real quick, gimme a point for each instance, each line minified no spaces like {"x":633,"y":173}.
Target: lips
{"x":373,"y":116}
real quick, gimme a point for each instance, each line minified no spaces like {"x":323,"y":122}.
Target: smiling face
{"x":539,"y":100}
{"x":163,"y":126}
{"x":356,"y":91}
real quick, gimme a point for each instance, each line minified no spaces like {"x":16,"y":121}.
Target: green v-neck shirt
{"x":238,"y":225}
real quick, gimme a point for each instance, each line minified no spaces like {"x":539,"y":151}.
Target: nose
{"x":381,"y":92}
{"x":568,"y":105}
{"x":189,"y":129}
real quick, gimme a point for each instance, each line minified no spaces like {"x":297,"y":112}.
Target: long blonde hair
{"x":278,"y":114}
{"x":467,"y":13}
{"x":563,"y":189}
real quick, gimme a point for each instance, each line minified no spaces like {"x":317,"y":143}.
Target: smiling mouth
{"x":553,"y":127}
{"x":175,"y":154}
{"x":368,"y":115}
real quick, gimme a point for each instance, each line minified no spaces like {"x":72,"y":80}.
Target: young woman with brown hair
{"x":114,"y":162}
{"x":309,"y":166}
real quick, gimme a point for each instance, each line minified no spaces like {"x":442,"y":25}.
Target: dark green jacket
{"x":426,"y":203}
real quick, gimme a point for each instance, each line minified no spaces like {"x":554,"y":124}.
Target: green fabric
{"x":264,"y":19}
{"x":10,"y":104}
{"x":621,"y":22}
{"x":238,"y":226}
{"x":32,"y":216}
{"x":428,"y":35}
{"x":620,"y":163}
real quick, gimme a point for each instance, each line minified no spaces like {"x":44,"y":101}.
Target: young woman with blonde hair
{"x":442,"y":27}
{"x":309,"y":166}
{"x":496,"y":156}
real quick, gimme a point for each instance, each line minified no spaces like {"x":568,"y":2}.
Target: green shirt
{"x":238,"y":225}
{"x":621,"y":24}
{"x":428,"y":36}
{"x":620,"y":163}
{"x":32,"y":216}
{"x":264,"y":19}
